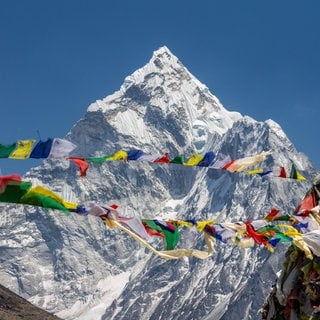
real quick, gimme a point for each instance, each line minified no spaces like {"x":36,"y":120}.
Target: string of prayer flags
{"x":209,"y":159}
{"x":294,"y":174}
{"x":23,"y":149}
{"x":302,"y":228}
{"x":14,"y":190}
{"x":57,"y":148}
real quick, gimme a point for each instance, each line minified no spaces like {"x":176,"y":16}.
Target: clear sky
{"x":260,"y":58}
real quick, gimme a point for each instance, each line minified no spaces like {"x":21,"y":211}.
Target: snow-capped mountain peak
{"x":163,"y":91}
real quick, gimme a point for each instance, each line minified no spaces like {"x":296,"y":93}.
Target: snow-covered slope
{"x":77,"y":268}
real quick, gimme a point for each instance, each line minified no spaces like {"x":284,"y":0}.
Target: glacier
{"x":75,"y":267}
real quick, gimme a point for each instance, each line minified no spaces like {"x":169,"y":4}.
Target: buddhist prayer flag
{"x":207,"y":159}
{"x":82,"y":164}
{"x":97,"y":160}
{"x":221,"y":161}
{"x":282,"y":173}
{"x":61,"y":148}
{"x":171,"y":237}
{"x":12,"y":179}
{"x":136,"y":225}
{"x":14,"y":192}
{"x":42,"y":149}
{"x":194,"y":160}
{"x":163,"y":159}
{"x":294,"y":174}
{"x":241,"y":164}
{"x":6,"y":150}
{"x":119,"y":155}
{"x":23,"y":149}
{"x":178,"y":159}
{"x":134,"y":154}
{"x":254,"y":171}
{"x":149,"y":157}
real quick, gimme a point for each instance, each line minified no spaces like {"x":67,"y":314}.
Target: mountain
{"x":75,"y":267}
{"x":13,"y":307}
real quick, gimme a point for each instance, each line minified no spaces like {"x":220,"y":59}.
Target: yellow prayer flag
{"x":202,"y":224}
{"x":254,"y":171}
{"x":23,"y":149}
{"x":119,"y":155}
{"x":300,"y":177}
{"x":48,"y":193}
{"x":194,"y":160}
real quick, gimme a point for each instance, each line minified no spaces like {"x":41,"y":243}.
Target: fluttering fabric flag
{"x":61,"y":148}
{"x":282,"y":173}
{"x":207,"y":159}
{"x":14,"y":191}
{"x":21,"y":192}
{"x":119,"y":155}
{"x":151,"y":157}
{"x":136,"y":225}
{"x":98,"y":160}
{"x":81,"y":163}
{"x":23,"y":149}
{"x":254,"y":171}
{"x":267,"y":174}
{"x":294,"y":174}
{"x":6,"y":150}
{"x":194,"y":160}
{"x":12,"y":179}
{"x":312,"y":239}
{"x":134,"y":154}
{"x":240,"y":165}
{"x":42,"y":149}
{"x":171,"y":235}
{"x":178,"y":159}
{"x":43,"y":197}
{"x":163,"y":159}
{"x":221,"y":161}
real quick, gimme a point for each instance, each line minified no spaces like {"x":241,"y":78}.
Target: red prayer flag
{"x":271,"y":215}
{"x":282,"y":173}
{"x":256,"y":236}
{"x":4,"y":180}
{"x":82,"y":164}
{"x":164,"y":159}
{"x":225,"y":167}
{"x":308,"y":203}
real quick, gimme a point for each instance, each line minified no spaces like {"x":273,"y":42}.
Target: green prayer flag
{"x":43,"y":201}
{"x":14,"y":192}
{"x":293,"y":173}
{"x":6,"y":150}
{"x":178,"y":159}
{"x":98,"y":160}
{"x":171,"y":238}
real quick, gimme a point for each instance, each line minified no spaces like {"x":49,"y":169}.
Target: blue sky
{"x":260,"y":58}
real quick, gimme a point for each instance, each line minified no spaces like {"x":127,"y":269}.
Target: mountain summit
{"x":77,"y":268}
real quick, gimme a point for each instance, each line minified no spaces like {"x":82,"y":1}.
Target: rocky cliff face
{"x":13,"y":307}
{"x":76,"y":268}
